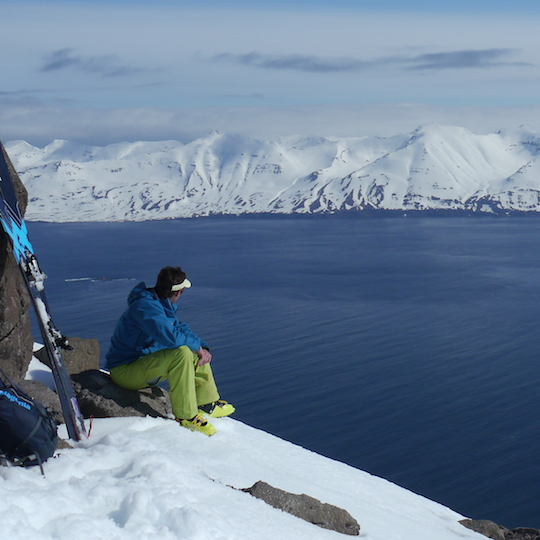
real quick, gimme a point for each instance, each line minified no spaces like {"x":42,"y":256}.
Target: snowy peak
{"x":433,"y":168}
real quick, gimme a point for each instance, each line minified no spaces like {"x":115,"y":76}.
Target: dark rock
{"x":523,"y":533}
{"x":485,"y":527}
{"x":42,"y":356}
{"x":307,"y":508}
{"x":44,"y":395}
{"x":83,"y":357}
{"x":16,"y":341}
{"x":498,"y":532}
{"x":98,"y":396}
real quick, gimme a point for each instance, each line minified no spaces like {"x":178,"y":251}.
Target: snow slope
{"x":433,"y":168}
{"x":145,"y":478}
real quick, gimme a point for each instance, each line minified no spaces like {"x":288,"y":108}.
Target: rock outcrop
{"x":307,"y":508}
{"x":16,"y":341}
{"x":98,"y":396}
{"x":498,"y":532}
{"x":83,"y":356}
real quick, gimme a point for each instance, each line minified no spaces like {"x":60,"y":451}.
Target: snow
{"x":140,"y":478}
{"x":144,"y":478}
{"x":433,"y":168}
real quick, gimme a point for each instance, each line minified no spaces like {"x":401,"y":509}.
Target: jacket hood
{"x":139,"y":291}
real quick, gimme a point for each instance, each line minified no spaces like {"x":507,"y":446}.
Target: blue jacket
{"x":149,"y":324}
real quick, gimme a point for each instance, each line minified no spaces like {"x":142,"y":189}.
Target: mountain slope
{"x":433,"y":168}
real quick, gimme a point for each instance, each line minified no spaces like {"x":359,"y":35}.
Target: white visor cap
{"x":186,"y":284}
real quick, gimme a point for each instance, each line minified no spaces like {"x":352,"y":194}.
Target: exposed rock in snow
{"x":305,"y":507}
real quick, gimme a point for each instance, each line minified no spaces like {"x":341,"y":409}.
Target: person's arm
{"x":164,"y":330}
{"x":185,"y":329}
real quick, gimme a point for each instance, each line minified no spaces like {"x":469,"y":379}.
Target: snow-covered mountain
{"x":433,"y":168}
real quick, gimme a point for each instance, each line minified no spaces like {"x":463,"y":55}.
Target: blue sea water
{"x":408,"y":348}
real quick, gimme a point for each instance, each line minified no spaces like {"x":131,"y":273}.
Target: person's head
{"x":171,"y":281}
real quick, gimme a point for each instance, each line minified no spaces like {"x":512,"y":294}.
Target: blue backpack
{"x":28,"y":433}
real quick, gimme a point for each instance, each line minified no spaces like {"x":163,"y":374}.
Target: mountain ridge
{"x":432,"y":169}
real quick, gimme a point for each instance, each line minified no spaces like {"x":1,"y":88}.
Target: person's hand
{"x":204,"y":356}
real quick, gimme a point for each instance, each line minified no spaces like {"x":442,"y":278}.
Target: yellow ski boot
{"x":217,"y":409}
{"x":199,"y":423}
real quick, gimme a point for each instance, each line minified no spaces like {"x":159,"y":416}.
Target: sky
{"x":104,"y":71}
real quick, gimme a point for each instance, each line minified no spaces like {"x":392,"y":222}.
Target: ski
{"x":15,"y":228}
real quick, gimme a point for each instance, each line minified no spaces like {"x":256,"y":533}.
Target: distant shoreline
{"x":346,"y":214}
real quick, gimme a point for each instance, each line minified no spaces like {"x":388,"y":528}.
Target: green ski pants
{"x":190,"y":385}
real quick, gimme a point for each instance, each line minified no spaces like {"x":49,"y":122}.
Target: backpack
{"x":28,"y":433}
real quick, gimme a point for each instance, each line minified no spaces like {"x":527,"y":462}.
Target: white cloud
{"x":40,"y":125}
{"x":339,"y":61}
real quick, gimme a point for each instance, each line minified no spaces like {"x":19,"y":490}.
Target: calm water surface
{"x":405,"y":347}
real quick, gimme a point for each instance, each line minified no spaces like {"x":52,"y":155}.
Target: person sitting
{"x":150,"y":345}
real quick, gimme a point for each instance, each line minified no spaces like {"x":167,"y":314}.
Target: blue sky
{"x":101,"y":71}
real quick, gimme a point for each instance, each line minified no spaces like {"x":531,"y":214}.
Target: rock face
{"x":307,"y":508}
{"x":83,"y":357}
{"x":16,"y":341}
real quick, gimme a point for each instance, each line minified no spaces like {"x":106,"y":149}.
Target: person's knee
{"x":181,"y":354}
